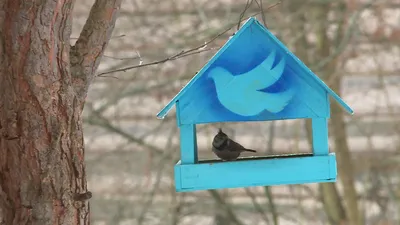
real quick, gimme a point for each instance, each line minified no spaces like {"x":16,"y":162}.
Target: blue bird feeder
{"x":253,"y":77}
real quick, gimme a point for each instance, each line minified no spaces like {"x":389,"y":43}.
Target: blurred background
{"x":353,"y":45}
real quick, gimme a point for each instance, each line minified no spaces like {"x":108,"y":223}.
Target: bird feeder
{"x":253,"y":77}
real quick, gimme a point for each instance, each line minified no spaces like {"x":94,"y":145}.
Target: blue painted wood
{"x":266,"y":92}
{"x":188,"y":143}
{"x":253,"y":77}
{"x":178,"y":114}
{"x":177,"y":176}
{"x":320,"y":136}
{"x":295,"y":60}
{"x":328,"y":106}
{"x":308,"y":102}
{"x":258,"y":172}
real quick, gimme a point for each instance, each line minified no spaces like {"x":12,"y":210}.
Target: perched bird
{"x":241,"y":93}
{"x":227,"y":149}
{"x":82,"y":196}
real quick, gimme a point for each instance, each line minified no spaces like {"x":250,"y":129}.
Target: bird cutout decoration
{"x":226,"y":148}
{"x":234,"y":92}
{"x":252,"y":77}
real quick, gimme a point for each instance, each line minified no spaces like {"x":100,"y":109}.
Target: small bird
{"x":226,"y":148}
{"x":82,"y":196}
{"x":241,"y":93}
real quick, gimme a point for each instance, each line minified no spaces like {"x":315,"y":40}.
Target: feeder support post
{"x":188,"y":140}
{"x":320,"y":136}
{"x":188,"y":143}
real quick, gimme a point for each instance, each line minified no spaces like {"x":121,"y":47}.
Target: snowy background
{"x":130,"y":153}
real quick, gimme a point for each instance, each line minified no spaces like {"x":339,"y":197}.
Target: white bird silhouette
{"x":241,"y":93}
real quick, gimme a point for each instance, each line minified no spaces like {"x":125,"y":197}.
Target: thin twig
{"x":141,"y":89}
{"x":160,"y":170}
{"x":197,"y":52}
{"x":345,"y":40}
{"x":140,"y":57}
{"x":104,"y":123}
{"x":257,"y":206}
{"x":247,"y":6}
{"x":274,"y":213}
{"x":110,"y":76}
{"x":262,"y":12}
{"x":217,"y":197}
{"x":120,"y":58}
{"x":183,"y":53}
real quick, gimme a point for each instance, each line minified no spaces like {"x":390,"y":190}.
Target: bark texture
{"x":41,"y":100}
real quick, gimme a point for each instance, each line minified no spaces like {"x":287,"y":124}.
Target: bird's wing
{"x":234,"y":146}
{"x":263,"y":75}
{"x":273,"y":102}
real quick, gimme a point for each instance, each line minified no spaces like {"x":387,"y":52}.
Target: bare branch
{"x":217,"y":197}
{"x":181,"y":54}
{"x":103,"y":122}
{"x":257,"y":206}
{"x":248,"y":4}
{"x":161,"y":165}
{"x":121,"y":58}
{"x":260,"y":5}
{"x":86,"y":54}
{"x":345,"y":40}
{"x":185,"y":53}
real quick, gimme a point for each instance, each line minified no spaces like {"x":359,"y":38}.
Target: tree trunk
{"x":345,"y":166}
{"x":337,"y":123}
{"x":42,"y":169}
{"x":330,"y":197}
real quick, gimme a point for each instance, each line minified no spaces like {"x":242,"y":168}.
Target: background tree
{"x":157,"y":46}
{"x":43,"y":86}
{"x":351,"y":45}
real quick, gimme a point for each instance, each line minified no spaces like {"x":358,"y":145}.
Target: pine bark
{"x":42,"y":94}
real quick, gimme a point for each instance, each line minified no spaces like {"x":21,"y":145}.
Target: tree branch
{"x":86,"y":54}
{"x":231,"y":214}
{"x":192,"y":51}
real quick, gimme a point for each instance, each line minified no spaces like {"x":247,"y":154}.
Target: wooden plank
{"x":188,"y":143}
{"x":177,"y":177}
{"x":259,"y":172}
{"x":320,"y":136}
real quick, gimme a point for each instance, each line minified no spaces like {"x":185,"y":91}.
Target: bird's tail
{"x":249,"y":150}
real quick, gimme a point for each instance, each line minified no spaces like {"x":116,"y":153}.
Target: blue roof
{"x":280,"y":46}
